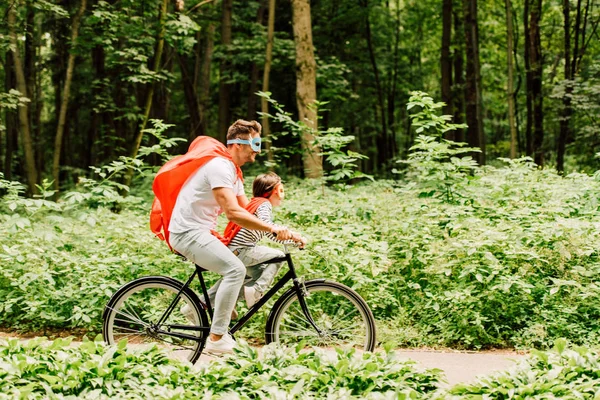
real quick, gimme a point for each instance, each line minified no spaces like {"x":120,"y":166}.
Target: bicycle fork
{"x":302,"y":294}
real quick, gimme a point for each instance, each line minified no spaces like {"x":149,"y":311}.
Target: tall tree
{"x":255,"y":69}
{"x":224,"y":68}
{"x":458,"y":88}
{"x":510,"y":92}
{"x":534,"y":79}
{"x":30,"y":167}
{"x":62,"y":114}
{"x":11,"y":119}
{"x":446,"y":61}
{"x":204,"y":80}
{"x":382,"y":140}
{"x":392,"y":92}
{"x":573,"y":56}
{"x":306,"y":86}
{"x":264,"y":104}
{"x":474,"y":114}
{"x":190,"y":93}
{"x":160,"y":43}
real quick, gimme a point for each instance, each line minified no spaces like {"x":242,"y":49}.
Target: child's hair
{"x":264,"y":184}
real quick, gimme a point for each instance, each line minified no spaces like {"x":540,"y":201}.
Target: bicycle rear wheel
{"x":341,"y":315}
{"x":136,"y":308}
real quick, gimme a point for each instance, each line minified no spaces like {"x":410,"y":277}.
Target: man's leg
{"x":204,"y":249}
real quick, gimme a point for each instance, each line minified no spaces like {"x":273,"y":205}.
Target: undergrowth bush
{"x":566,"y":373}
{"x":39,"y":369}
{"x":514,"y":264}
{"x":449,"y":254}
{"x":92,"y":370}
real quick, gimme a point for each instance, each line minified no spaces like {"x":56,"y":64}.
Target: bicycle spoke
{"x":130,"y":330}
{"x":131,"y":317}
{"x":136,"y":314}
{"x":129,"y":322}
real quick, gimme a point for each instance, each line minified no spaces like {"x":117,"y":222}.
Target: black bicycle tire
{"x":278,"y":307}
{"x":176,"y":285}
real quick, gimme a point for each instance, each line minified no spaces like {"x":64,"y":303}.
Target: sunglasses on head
{"x":254,"y":143}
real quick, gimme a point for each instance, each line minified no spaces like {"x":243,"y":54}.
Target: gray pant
{"x":202,"y":248}
{"x":260,"y":276}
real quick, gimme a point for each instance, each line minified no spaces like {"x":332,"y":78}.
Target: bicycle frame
{"x":290,"y":275}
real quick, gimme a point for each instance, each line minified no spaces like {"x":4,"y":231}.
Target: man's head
{"x":243,"y":141}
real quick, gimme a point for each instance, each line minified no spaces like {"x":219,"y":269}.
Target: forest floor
{"x":457,"y":366}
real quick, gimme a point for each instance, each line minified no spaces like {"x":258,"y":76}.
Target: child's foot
{"x":252,"y":295}
{"x":187,"y":311}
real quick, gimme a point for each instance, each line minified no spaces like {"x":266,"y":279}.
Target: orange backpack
{"x":232,"y":228}
{"x":172,"y":176}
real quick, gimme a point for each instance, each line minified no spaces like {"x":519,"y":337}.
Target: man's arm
{"x":237,"y":214}
{"x":242,"y":201}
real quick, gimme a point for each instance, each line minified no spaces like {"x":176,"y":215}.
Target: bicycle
{"x":318,"y":311}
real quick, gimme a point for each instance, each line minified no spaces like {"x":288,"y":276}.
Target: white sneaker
{"x":188,"y":312}
{"x":251,"y":295}
{"x":223,"y":346}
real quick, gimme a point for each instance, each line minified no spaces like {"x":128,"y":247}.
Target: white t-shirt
{"x":196,"y":207}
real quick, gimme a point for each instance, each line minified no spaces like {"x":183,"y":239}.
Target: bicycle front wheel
{"x":341,"y":317}
{"x":135,"y":312}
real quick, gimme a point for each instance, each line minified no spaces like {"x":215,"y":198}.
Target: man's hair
{"x":241,"y":128}
{"x":264,"y":184}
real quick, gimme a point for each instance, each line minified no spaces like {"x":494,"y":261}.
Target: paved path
{"x":463,"y":367}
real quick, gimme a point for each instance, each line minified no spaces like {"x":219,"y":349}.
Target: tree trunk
{"x":459,"y":79}
{"x":160,"y":42}
{"x":571,"y":67}
{"x":446,"y":62}
{"x":382,"y":140}
{"x":264,"y":104}
{"x":62,"y":115}
{"x":306,"y":86}
{"x":528,"y":82}
{"x":535,"y":55}
{"x":566,"y":111}
{"x":391,"y":103}
{"x":30,"y":168}
{"x":11,"y":120}
{"x":510,"y":84}
{"x":191,"y":98}
{"x":474,"y":113}
{"x":254,"y":71}
{"x":98,"y":117}
{"x":224,"y":69}
{"x":204,"y":91}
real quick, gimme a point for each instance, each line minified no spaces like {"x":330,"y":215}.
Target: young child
{"x":268,"y":192}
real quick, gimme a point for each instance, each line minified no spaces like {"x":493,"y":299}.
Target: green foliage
{"x":435,"y":167}
{"x":38,"y":369}
{"x":332,"y":143}
{"x":514,"y":264}
{"x":426,"y":119}
{"x":433,"y":162}
{"x":108,"y":189}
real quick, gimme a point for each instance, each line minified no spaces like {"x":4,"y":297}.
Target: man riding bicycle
{"x":215,"y":186}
